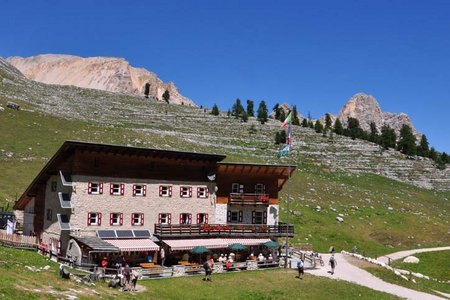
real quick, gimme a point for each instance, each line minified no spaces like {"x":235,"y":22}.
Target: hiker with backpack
{"x":208,"y":270}
{"x":300,"y":267}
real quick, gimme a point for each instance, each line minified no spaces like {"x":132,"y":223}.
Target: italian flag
{"x":288,"y":120}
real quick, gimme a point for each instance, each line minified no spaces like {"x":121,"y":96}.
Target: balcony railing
{"x":223,"y":230}
{"x":249,"y":198}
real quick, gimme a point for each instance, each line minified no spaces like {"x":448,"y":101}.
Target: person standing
{"x":162,"y":255}
{"x":300,"y":267}
{"x":208,"y":270}
{"x":332,"y":263}
{"x":104,"y":265}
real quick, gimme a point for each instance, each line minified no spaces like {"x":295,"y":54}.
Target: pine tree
{"x":373,"y":132}
{"x":423,"y":148}
{"x":295,"y":119}
{"x":215,"y":110}
{"x":276,"y":109}
{"x":250,"y":109}
{"x":244,"y":116}
{"x":318,"y":127}
{"x":166,"y":96}
{"x":407,"y":141}
{"x":353,"y":129}
{"x":228,"y":113}
{"x":338,"y":128}
{"x":433,"y":154}
{"x":304,"y":122}
{"x":237,"y":109}
{"x":262,"y":112}
{"x":311,"y":124}
{"x":282,"y":116}
{"x":445,"y":158}
{"x":388,"y":137}
{"x":327,"y":121}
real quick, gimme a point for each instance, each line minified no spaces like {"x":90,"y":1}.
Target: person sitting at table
{"x":270,"y":258}
{"x":231,"y":257}
{"x":252,"y":256}
{"x":261,"y":258}
{"x":222,"y":258}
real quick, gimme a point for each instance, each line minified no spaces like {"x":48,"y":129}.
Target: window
{"x":137,"y":219}
{"x":115,"y":219}
{"x":54,"y":186}
{"x":165,"y":191}
{"x":185,"y":218}
{"x":49,"y":214}
{"x":260,"y":188}
{"x":185,"y":191}
{"x":235,"y":187}
{"x":95,"y":188}
{"x":234,"y":216}
{"x":94,"y":219}
{"x":202,"y":218}
{"x":117,"y":189}
{"x":202,"y":192}
{"x":139,"y":190}
{"x":165,"y":218}
{"x":259,"y":217}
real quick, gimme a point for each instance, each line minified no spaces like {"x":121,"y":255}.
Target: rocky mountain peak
{"x":102,"y":73}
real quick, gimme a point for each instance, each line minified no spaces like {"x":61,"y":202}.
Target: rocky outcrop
{"x":366,"y":109}
{"x":102,"y":73}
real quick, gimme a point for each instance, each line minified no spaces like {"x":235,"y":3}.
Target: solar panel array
{"x":123,"y":234}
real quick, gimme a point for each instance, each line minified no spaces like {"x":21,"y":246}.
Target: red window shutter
{"x":134,"y":190}
{"x":190,"y":191}
{"x":144,"y":190}
{"x":142,"y":219}
{"x":89,"y":187}
{"x":160,"y":190}
{"x":181,"y":218}
{"x":132,"y":218}
{"x":190,"y":219}
{"x":265,"y":217}
{"x":181,"y":192}
{"x":101,"y":188}
{"x":198,"y":192}
{"x":253,"y":217}
{"x":121,"y":218}
{"x":159,"y":218}
{"x":122,"y":189}
{"x":207,"y":192}
{"x":110,"y":218}
{"x":110,"y":188}
{"x":198,"y":218}
{"x":229,"y":216}
{"x":169,"y":217}
{"x":99,"y":219}
{"x":240,"y":216}
{"x":170,"y":191}
{"x":89,"y":219}
{"x":206,"y":218}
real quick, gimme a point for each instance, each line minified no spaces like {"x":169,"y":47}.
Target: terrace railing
{"x":18,"y":240}
{"x":249,"y":198}
{"x":223,"y":230}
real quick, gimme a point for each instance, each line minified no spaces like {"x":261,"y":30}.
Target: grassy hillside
{"x":27,"y":275}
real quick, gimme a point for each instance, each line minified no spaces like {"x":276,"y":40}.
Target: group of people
{"x":332,"y":262}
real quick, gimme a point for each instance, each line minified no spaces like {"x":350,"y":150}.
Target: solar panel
{"x":142,"y":233}
{"x":106,"y":234}
{"x":125,"y":234}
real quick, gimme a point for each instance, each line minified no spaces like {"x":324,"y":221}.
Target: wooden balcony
{"x":223,"y":230}
{"x":249,"y":198}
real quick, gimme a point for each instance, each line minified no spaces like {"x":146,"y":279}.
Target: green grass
{"x":434,"y":264}
{"x":20,"y":283}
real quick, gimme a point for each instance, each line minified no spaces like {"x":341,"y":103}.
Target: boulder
{"x":411,"y":260}
{"x":340,"y":219}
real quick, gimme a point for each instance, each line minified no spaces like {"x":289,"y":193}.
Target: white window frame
{"x":139,"y":190}
{"x":259,"y":214}
{"x":232,"y":220}
{"x":118,"y":216}
{"x":164,"y":218}
{"x":185,"y":191}
{"x":94,"y":219}
{"x":95,"y":188}
{"x":186,"y":217}
{"x":202,"y":218}
{"x":165,"y":191}
{"x":115,"y":189}
{"x":202,"y":192}
{"x":137,"y":219}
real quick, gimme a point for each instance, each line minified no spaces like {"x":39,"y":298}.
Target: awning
{"x":176,"y":245}
{"x":95,"y":244}
{"x":246,"y":242}
{"x":134,"y":244}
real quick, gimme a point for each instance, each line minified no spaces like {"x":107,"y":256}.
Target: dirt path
{"x":349,"y":272}
{"x":401,"y":254}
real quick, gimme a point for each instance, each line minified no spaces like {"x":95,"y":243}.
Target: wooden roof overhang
{"x":67,"y":150}
{"x":282,"y":172}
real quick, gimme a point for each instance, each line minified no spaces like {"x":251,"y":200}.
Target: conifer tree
{"x":353,"y":129}
{"x":338,"y":128}
{"x":311,"y":124}
{"x":388,"y":137}
{"x":283,"y":136}
{"x":327,"y":121}
{"x":295,"y":119}
{"x":277,"y":138}
{"x":244,"y":116}
{"x":282,"y":115}
{"x":237,"y":108}
{"x":407,"y":141}
{"x":433,"y":154}
{"x":304,"y":122}
{"x":373,"y":132}
{"x":250,"y":109}
{"x":228,"y":113}
{"x":262,"y":112}
{"x":215,"y":110}
{"x":276,"y":109}
{"x":423,"y":148}
{"x":318,"y":127}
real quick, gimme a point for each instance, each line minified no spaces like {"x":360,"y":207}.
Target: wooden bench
{"x":184,"y":263}
{"x":266,"y":264}
{"x":194,"y":269}
{"x":153,"y":272}
{"x":147,"y":265}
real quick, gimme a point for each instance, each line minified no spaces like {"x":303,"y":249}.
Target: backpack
{"x":206,"y":265}
{"x":299,"y":264}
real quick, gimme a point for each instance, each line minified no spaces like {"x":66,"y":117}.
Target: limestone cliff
{"x":101,"y":73}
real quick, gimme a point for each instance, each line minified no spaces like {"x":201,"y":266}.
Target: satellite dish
{"x":212,"y":177}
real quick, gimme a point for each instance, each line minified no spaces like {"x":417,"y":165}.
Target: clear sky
{"x":315,"y":54}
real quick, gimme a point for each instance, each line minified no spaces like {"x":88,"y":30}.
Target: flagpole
{"x":287,"y":216}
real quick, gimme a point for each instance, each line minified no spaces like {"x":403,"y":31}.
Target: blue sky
{"x":315,"y":54}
